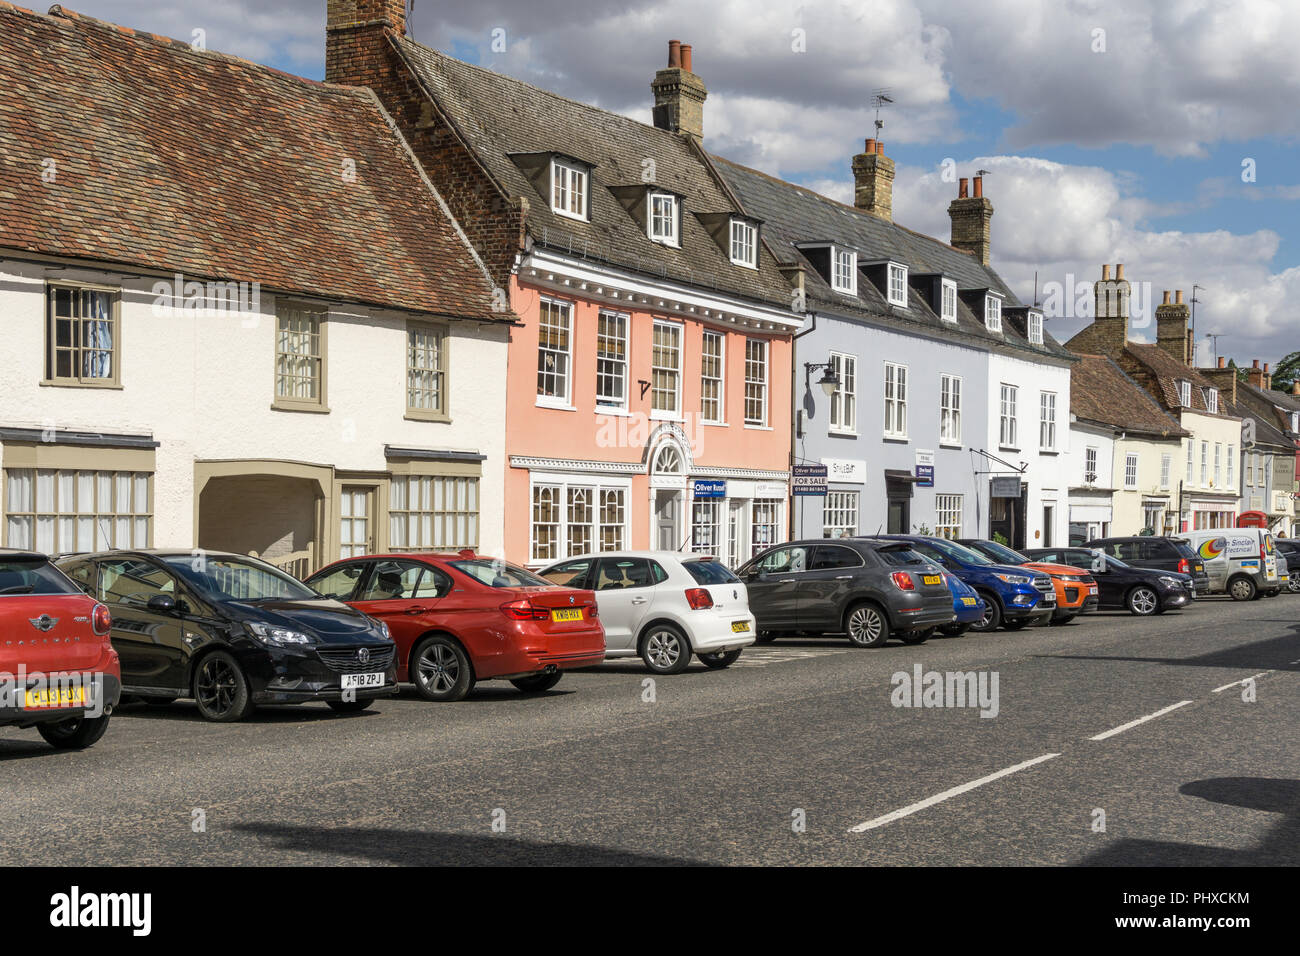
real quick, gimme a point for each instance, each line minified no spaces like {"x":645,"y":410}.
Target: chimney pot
{"x":1178,"y":297}
{"x":978,"y":183}
{"x":1119,"y":270}
{"x":1105,"y":272}
{"x":880,"y":148}
{"x":1295,"y":387}
{"x":1166,"y":302}
{"x":1223,"y":362}
{"x":1255,"y":363}
{"x":686,"y":58}
{"x":1265,"y":368}
{"x":961,"y":188}
{"x":674,"y":54}
{"x":871,"y":147}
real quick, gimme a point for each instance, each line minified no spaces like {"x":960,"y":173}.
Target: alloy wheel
{"x":1144,"y":601}
{"x":217,"y":686}
{"x":866,"y":626}
{"x":438,"y":668}
{"x":663,"y":648}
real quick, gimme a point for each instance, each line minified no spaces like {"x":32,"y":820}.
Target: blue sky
{"x":1124,"y":149}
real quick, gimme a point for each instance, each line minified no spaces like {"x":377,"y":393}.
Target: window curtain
{"x":98,"y":357}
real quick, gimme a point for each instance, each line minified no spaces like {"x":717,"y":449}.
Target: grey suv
{"x":864,"y":588}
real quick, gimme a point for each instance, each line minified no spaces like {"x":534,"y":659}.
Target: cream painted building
{"x":259,"y":332}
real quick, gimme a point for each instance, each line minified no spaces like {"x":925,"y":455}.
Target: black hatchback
{"x":233,"y":632}
{"x":1140,"y":591}
{"x":865,"y":588}
{"x":1159,"y":553}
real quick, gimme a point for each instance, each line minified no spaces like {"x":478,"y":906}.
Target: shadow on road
{"x":419,"y":848}
{"x":1280,"y":846}
{"x":1276,"y":653}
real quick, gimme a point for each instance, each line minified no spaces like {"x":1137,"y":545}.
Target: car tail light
{"x":1184,"y":567}
{"x":101,"y":621}
{"x":593,"y":611}
{"x":903,"y":581}
{"x":699,"y":599}
{"x":524,"y":610}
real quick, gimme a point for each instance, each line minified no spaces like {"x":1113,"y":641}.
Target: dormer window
{"x":1212,"y":401}
{"x":1035,"y":328}
{"x":948,"y":301}
{"x":844,"y":270}
{"x":993,"y":313}
{"x":897,"y":285}
{"x":569,"y":189}
{"x":663,"y":218}
{"x":1185,"y":394}
{"x":744,"y":243}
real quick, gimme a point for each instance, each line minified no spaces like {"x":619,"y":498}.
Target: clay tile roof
{"x":208,"y":165}
{"x":1101,"y":392}
{"x":1168,"y":372}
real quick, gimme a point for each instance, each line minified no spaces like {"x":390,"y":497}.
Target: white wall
{"x":202,"y":384}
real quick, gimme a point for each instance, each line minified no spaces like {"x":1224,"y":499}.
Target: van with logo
{"x":1241,"y":562}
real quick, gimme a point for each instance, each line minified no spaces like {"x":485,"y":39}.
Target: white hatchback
{"x":663,"y":606}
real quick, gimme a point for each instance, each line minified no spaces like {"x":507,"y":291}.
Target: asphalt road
{"x":722,"y":765}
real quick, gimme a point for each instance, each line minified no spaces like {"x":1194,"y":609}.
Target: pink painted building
{"x":649,"y":379}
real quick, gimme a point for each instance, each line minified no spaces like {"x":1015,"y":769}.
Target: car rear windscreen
{"x":900,"y":557}
{"x":709,"y":572}
{"x":33,"y":576}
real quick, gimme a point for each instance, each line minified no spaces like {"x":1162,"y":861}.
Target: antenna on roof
{"x":983,"y":172}
{"x":879,"y":99}
{"x":410,"y":9}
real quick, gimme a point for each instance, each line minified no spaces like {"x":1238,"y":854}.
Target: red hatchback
{"x":58,"y":671}
{"x":461,"y":618}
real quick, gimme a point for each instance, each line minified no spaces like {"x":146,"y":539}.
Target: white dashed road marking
{"x":947,"y":795}
{"x":1238,"y":683}
{"x":1141,"y":720}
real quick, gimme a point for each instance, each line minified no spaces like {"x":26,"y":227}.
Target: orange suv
{"x":1076,"y":590}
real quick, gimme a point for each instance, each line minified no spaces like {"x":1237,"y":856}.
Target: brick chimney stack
{"x":354,"y":39}
{"x":679,"y":94}
{"x":1255,"y":375}
{"x":1172,"y":333}
{"x":873,"y":181}
{"x":1224,"y":379}
{"x":971,"y":217}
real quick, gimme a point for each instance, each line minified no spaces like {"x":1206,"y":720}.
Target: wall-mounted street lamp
{"x":829,"y":380}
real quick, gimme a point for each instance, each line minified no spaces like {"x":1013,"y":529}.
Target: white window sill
{"x":611,"y":410}
{"x":568,"y":215}
{"x":950,"y":444}
{"x":842,"y":432}
{"x":892,"y":437}
{"x":714,"y":424}
{"x":557,"y":406}
{"x":666,"y":417}
{"x":742,"y":262}
{"x":758,"y":428}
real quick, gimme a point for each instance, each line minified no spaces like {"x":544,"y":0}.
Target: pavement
{"x":796,"y":754}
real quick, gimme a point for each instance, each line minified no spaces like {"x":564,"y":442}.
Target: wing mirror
{"x":162,"y":604}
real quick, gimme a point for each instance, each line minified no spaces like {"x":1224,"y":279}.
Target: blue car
{"x":1014,"y":597}
{"x":966,"y":604}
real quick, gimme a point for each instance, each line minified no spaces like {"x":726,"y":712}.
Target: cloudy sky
{"x":1158,"y":133}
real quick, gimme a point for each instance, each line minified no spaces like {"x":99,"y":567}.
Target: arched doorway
{"x":668,"y":468}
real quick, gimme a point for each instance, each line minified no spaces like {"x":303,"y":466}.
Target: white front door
{"x":668,"y":519}
{"x":356,"y":531}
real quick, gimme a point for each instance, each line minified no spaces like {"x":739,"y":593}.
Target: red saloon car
{"x":58,"y":671}
{"x":462,"y":618}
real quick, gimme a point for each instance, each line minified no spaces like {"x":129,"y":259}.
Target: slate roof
{"x":500,"y":117}
{"x":793,"y":215}
{"x":1165,"y":372}
{"x":1100,"y":392}
{"x":196,"y":162}
{"x":1270,"y":427}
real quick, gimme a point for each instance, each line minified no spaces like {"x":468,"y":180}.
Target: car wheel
{"x":220,"y":689}
{"x":73,"y":733}
{"x":866,"y":626}
{"x":917,"y":637}
{"x":1293,"y":583}
{"x":954,"y":630}
{"x":440,"y":669}
{"x":665,"y":649}
{"x":1143,"y":601}
{"x":536,"y":683}
{"x":992,"y":618}
{"x":720,"y":659}
{"x":350,"y":706}
{"x":1242,"y":589}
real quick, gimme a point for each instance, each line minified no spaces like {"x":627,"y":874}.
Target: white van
{"x":1241,"y":562}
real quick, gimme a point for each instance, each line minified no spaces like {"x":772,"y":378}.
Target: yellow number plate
{"x":931,"y":579}
{"x":57,"y":697}
{"x":740,"y":627}
{"x":969,"y":602}
{"x":567,"y":614}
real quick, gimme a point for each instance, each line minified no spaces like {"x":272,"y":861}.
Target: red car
{"x":461,"y":618}
{"x":58,"y":671}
